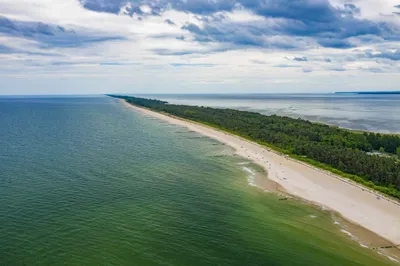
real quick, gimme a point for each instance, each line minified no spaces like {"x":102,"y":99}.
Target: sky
{"x":198,"y":46}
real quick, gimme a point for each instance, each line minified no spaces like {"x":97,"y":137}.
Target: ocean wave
{"x":389,"y":257}
{"x":347,"y":233}
{"x":251,"y":178}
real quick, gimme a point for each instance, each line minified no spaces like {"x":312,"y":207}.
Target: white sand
{"x":354,"y":202}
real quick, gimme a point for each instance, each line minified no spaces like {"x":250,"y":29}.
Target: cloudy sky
{"x":194,"y":46}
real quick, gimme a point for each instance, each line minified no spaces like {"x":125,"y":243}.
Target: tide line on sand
{"x":353,"y":202}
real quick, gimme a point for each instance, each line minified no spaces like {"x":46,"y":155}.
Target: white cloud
{"x":143,"y":58}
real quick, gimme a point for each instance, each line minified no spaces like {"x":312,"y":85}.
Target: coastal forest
{"x":371,"y":159}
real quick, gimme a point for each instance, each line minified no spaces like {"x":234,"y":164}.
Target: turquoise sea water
{"x":86,"y":181}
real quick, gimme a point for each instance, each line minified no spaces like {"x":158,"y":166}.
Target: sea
{"x":367,"y":112}
{"x":88,"y":181}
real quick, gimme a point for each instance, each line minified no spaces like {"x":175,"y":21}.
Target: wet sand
{"x":368,"y":212}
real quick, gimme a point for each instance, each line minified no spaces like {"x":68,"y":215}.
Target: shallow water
{"x":86,"y":181}
{"x":378,"y":113}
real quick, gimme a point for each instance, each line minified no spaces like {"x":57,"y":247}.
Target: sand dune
{"x":355,"y":203}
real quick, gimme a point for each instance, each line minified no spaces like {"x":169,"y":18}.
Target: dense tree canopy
{"x":339,"y":149}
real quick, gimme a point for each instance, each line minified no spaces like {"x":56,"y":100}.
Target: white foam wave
{"x":347,"y":233}
{"x":248,"y":170}
{"x":389,"y":257}
{"x":335,"y":221}
{"x":353,"y":237}
{"x":251,"y":178}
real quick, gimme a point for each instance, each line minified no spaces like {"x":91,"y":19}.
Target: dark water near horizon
{"x":86,"y":181}
{"x":377,"y":113}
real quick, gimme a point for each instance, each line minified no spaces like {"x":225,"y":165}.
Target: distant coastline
{"x":370,"y":92}
{"x":356,"y":203}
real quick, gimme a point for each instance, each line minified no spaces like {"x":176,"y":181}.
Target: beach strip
{"x":353,"y":202}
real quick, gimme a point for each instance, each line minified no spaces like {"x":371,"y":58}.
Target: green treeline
{"x":341,"y":151}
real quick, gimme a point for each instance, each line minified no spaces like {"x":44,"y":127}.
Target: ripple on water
{"x":91,"y":182}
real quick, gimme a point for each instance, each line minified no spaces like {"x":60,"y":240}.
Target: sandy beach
{"x":353,"y":202}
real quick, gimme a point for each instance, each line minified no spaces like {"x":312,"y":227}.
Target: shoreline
{"x":350,"y":200}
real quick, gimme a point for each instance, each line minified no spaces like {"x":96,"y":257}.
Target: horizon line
{"x":193,"y":93}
